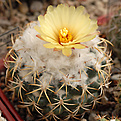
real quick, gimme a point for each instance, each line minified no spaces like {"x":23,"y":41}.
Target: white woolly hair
{"x":33,"y":54}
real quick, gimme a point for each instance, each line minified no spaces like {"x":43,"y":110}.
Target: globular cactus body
{"x":54,"y":84}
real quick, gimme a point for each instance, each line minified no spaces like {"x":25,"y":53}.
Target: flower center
{"x":65,"y":36}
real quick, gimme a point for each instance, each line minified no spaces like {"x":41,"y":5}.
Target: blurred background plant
{"x":114,"y":29}
{"x":7,"y":4}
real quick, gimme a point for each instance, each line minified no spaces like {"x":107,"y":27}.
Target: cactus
{"x":59,"y":85}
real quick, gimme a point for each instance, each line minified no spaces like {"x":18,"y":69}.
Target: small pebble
{"x":31,"y":18}
{"x":23,"y":8}
{"x":93,"y":116}
{"x":36,"y":6}
{"x":84,"y":119}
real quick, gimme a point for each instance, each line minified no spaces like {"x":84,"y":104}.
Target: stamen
{"x":65,"y":36}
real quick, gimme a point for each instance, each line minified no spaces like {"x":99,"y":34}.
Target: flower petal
{"x":41,"y":19}
{"x":86,"y":38}
{"x":80,"y":27}
{"x":37,"y":28}
{"x":88,"y":30}
{"x":67,"y":51}
{"x":49,"y":39}
{"x":79,"y":46}
{"x":50,"y":45}
{"x":50,"y":9}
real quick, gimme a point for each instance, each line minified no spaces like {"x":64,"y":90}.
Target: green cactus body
{"x":53,"y":84}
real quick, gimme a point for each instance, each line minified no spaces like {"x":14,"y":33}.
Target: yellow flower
{"x":65,"y":28}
